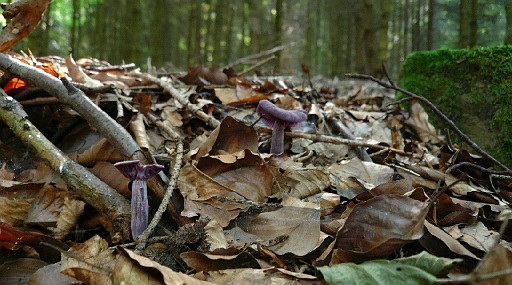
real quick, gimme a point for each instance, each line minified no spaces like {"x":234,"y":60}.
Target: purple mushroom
{"x":278,"y":119}
{"x":139,"y":173}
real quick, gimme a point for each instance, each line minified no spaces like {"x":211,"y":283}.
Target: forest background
{"x":332,"y":37}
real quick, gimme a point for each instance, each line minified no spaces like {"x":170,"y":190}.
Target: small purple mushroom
{"x":139,"y":173}
{"x":278,"y":119}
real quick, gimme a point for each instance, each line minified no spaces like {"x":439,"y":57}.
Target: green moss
{"x":472,"y":87}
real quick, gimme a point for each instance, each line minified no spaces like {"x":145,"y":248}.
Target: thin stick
{"x":436,"y":111}
{"x":335,"y":140}
{"x":181,"y":98}
{"x":142,"y":239}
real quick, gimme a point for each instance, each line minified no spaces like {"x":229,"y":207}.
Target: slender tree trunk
{"x":278,"y":31}
{"x":406,"y":33}
{"x":473,"y":24}
{"x":430,"y":27}
{"x":416,"y":27}
{"x":385,"y":14}
{"x":464,"y":12}
{"x":74,"y":24}
{"x":508,"y":13}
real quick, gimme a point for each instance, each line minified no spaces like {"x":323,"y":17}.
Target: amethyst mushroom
{"x":278,"y":119}
{"x":138,"y":173}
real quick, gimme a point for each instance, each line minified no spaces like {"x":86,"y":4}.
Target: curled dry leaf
{"x":219,"y":259}
{"x":368,"y":174}
{"x":91,"y":262}
{"x":78,"y":75}
{"x":132,"y":268}
{"x":300,"y":181}
{"x":438,"y":242}
{"x":231,"y":136}
{"x":379,"y":226}
{"x":55,"y":209}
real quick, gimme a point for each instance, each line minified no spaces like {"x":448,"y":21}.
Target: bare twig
{"x":142,"y":239}
{"x":255,"y":56}
{"x":436,"y":111}
{"x":181,"y":98}
{"x":335,"y":140}
{"x":257,"y":64}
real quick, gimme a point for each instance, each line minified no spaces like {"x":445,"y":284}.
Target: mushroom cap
{"x":270,"y":113}
{"x":134,"y":170}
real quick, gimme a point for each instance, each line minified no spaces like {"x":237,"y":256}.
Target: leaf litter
{"x":360,"y":189}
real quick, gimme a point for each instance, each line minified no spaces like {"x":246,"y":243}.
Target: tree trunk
{"x":385,"y":14}
{"x":464,"y":12}
{"x":473,"y":24}
{"x":416,"y":27}
{"x":278,"y":31}
{"x":430,"y":27}
{"x":508,"y":13}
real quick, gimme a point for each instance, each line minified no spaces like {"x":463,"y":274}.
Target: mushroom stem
{"x":140,"y":212}
{"x":277,"y":143}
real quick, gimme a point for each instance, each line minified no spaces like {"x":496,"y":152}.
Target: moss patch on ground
{"x":472,"y":87}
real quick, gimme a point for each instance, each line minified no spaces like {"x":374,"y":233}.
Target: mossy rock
{"x":472,"y":87}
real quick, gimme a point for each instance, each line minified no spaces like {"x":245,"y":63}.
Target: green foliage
{"x":418,"y":269}
{"x":472,"y":87}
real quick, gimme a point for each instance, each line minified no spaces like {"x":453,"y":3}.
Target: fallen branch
{"x":181,"y":98}
{"x":96,"y":117}
{"x":335,"y":140}
{"x":436,"y":111}
{"x":94,"y":191}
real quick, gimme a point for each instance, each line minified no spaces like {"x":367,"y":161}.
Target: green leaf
{"x":376,"y":272}
{"x":432,"y":264}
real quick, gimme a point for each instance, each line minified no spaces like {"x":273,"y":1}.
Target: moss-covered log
{"x":473,"y":87}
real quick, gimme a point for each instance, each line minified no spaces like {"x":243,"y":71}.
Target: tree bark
{"x":464,"y":18}
{"x":508,"y":14}
{"x":430,"y":27}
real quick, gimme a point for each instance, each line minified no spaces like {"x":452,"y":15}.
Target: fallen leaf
{"x":131,"y":268}
{"x":378,"y":227}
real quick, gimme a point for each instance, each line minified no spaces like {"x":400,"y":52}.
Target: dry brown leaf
{"x":5,"y":174}
{"x":102,"y":150}
{"x":499,"y":259}
{"x":231,"y":136}
{"x":367,"y":174}
{"x":419,"y":121}
{"x":215,"y":235}
{"x":139,"y":270}
{"x":296,"y":180}
{"x":56,"y":209}
{"x":14,"y":211}
{"x":438,"y":242}
{"x":78,"y":75}
{"x":379,"y":226}
{"x":23,"y":17}
{"x":448,"y":213}
{"x":109,"y":174}
{"x":138,"y":130}
{"x":91,"y":262}
{"x":475,"y":235}
{"x":294,"y":230}
{"x":219,"y":259}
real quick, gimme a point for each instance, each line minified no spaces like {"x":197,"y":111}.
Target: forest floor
{"x":364,"y":191}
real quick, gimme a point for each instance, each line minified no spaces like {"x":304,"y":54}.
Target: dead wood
{"x":94,"y":191}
